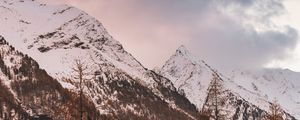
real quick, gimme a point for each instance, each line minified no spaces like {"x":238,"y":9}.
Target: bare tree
{"x":215,"y":100}
{"x":276,"y":112}
{"x":80,"y":68}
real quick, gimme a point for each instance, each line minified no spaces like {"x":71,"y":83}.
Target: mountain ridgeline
{"x":28,"y":92}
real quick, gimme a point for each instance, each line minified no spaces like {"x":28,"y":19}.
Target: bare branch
{"x":80,"y":69}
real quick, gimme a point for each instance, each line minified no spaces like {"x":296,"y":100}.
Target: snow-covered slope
{"x":27,"y":92}
{"x":61,"y":34}
{"x":57,"y":35}
{"x":282,"y":85}
{"x":118,"y":85}
{"x":192,"y":77}
{"x":189,"y":75}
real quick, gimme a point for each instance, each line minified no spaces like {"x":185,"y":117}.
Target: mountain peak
{"x":182,"y":50}
{"x":189,"y":75}
{"x":183,"y":53}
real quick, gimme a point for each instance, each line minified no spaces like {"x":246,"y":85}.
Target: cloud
{"x":242,"y":35}
{"x":227,"y":34}
{"x":229,"y":45}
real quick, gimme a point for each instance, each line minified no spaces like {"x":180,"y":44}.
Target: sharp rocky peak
{"x":184,"y":56}
{"x":183,"y":51}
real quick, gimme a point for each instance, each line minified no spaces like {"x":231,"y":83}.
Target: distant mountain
{"x":54,"y":36}
{"x":282,"y":85}
{"x":247,"y":95}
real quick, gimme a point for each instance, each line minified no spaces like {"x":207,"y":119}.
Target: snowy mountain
{"x":62,"y":33}
{"x":248,"y":95}
{"x":119,"y":87}
{"x":281,"y":85}
{"x":188,"y":75}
